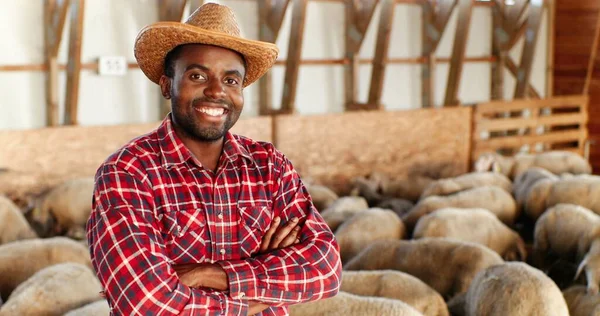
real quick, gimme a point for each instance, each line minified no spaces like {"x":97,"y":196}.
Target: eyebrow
{"x":204,"y":68}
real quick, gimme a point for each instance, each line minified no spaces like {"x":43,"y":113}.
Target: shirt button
{"x":220,"y":216}
{"x":222,"y":251}
{"x":242,"y":294}
{"x":179,"y":232}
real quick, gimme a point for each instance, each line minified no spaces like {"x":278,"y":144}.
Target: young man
{"x":192,"y":219}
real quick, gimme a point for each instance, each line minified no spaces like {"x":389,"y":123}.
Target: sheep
{"x":346,"y":304}
{"x":557,"y":162}
{"x":512,"y":288}
{"x":467,"y":181}
{"x":580,"y":190}
{"x":580,"y":302}
{"x":64,"y":209}
{"x":492,"y":198}
{"x":474,"y":225}
{"x":446,"y":265}
{"x":396,"y":285}
{"x":13,"y":225}
{"x":55,"y":290}
{"x":98,"y":308}
{"x":365,"y":227}
{"x":379,"y":187}
{"x":526,"y":180}
{"x":342,"y":209}
{"x":398,"y":206}
{"x":572,"y":232}
{"x":322,"y":196}
{"x":19,"y":260}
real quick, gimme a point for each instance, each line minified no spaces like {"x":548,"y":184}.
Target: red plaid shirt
{"x":154,"y":206}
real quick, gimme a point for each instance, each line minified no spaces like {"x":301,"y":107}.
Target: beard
{"x":193,"y":128}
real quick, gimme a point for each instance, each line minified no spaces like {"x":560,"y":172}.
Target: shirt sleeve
{"x":127,"y":253}
{"x":307,"y":271}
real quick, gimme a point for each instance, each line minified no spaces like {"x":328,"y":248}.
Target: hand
{"x":278,"y":237}
{"x":202,"y":275}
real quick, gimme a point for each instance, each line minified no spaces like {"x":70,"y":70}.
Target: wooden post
{"x":434,"y":25}
{"x":536,"y":9}
{"x":55,"y":15}
{"x":551,"y":14}
{"x":458,"y":52}
{"x":270,"y":18}
{"x":381,"y":54}
{"x":593,"y":52}
{"x":74,"y":63}
{"x":358,"y":17}
{"x":292,"y":67}
{"x":498,"y":36}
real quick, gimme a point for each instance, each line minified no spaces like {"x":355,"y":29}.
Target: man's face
{"x":205,"y":91}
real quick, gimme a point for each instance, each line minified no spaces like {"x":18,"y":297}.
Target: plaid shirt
{"x":154,"y":206}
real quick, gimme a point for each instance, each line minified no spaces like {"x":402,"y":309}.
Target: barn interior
{"x":465,"y":131}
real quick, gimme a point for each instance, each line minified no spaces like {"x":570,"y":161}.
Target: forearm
{"x":207,"y":275}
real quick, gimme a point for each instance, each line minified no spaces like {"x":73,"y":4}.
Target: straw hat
{"x":210,"y":24}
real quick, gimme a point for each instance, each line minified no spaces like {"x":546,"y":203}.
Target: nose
{"x":215,"y":90}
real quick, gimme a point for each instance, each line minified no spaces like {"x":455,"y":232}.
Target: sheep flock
{"x":517,"y":235}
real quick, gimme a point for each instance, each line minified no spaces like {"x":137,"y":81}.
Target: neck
{"x":207,"y":153}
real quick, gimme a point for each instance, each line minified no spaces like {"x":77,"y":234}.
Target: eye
{"x":197,"y":77}
{"x":231,"y":81}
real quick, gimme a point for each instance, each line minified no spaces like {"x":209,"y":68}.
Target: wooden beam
{"x":551,"y":14}
{"x":74,"y":63}
{"x":593,"y":53}
{"x":497,"y":81}
{"x":536,"y":9}
{"x":512,"y":68}
{"x":433,"y":27}
{"x":358,"y":17}
{"x":381,"y":53}
{"x":465,"y":8}
{"x":55,"y":15}
{"x":288,"y":99}
{"x":194,"y":5}
{"x":270,"y":18}
{"x":171,"y":10}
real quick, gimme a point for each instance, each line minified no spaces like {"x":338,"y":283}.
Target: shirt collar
{"x":174,"y":152}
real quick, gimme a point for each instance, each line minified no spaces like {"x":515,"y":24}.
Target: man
{"x":191,"y":219}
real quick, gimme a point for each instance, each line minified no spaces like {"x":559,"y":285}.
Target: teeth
{"x":212,"y":111}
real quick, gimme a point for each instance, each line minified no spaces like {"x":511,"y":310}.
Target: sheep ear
{"x":522,"y":250}
{"x":581,"y":267}
{"x":496,"y":167}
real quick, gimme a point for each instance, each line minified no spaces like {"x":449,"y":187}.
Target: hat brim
{"x":155,"y":41}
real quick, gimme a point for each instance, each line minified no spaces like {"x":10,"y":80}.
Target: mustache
{"x":196,"y":101}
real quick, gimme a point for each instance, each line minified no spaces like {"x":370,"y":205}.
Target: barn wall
{"x":110,"y":27}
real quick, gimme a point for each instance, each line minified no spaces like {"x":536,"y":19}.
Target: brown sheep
{"x":13,"y":225}
{"x":473,"y":225}
{"x":448,"y":266}
{"x":580,"y":302}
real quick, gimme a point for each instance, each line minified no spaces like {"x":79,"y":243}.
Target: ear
{"x":165,"y":86}
{"x":582,"y":265}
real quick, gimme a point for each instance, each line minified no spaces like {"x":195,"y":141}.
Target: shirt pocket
{"x":255,"y":220}
{"x":186,"y":235}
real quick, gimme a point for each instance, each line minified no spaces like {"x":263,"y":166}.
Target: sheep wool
{"x":98,"y":308}
{"x":467,"y":181}
{"x":13,"y":225}
{"x":580,"y":302}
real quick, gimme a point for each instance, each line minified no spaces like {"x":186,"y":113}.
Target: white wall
{"x":110,"y":28}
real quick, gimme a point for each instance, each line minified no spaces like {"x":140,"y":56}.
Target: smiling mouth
{"x":211,"y":111}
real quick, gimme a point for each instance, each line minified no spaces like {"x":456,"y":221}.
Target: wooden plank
{"x":518,"y":141}
{"x":593,"y":53}
{"x":55,"y":15}
{"x":358,"y":17}
{"x":381,"y":53}
{"x":551,"y":18}
{"x":536,"y":9}
{"x":294,"y":53}
{"x":74,"y":64}
{"x":512,"y":68}
{"x":519,"y":122}
{"x":270,"y":18}
{"x":465,"y":8}
{"x":556,"y":102}
{"x":497,"y":82}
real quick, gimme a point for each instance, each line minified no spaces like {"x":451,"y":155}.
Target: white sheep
{"x":525,"y":181}
{"x":397,"y":205}
{"x":580,"y":302}
{"x":467,"y":181}
{"x":570,"y":231}
{"x":342,"y":209}
{"x":473,"y":225}
{"x":581,"y":190}
{"x":54,"y":290}
{"x":346,"y":304}
{"x":492,"y":198}
{"x":64,"y":209}
{"x":512,"y":288}
{"x":98,"y":308}
{"x":446,"y":265}
{"x":322,"y":196}
{"x":557,"y":162}
{"x":397,"y":285}
{"x":21,"y":259}
{"x":365,"y":227}
{"x":13,"y":225}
